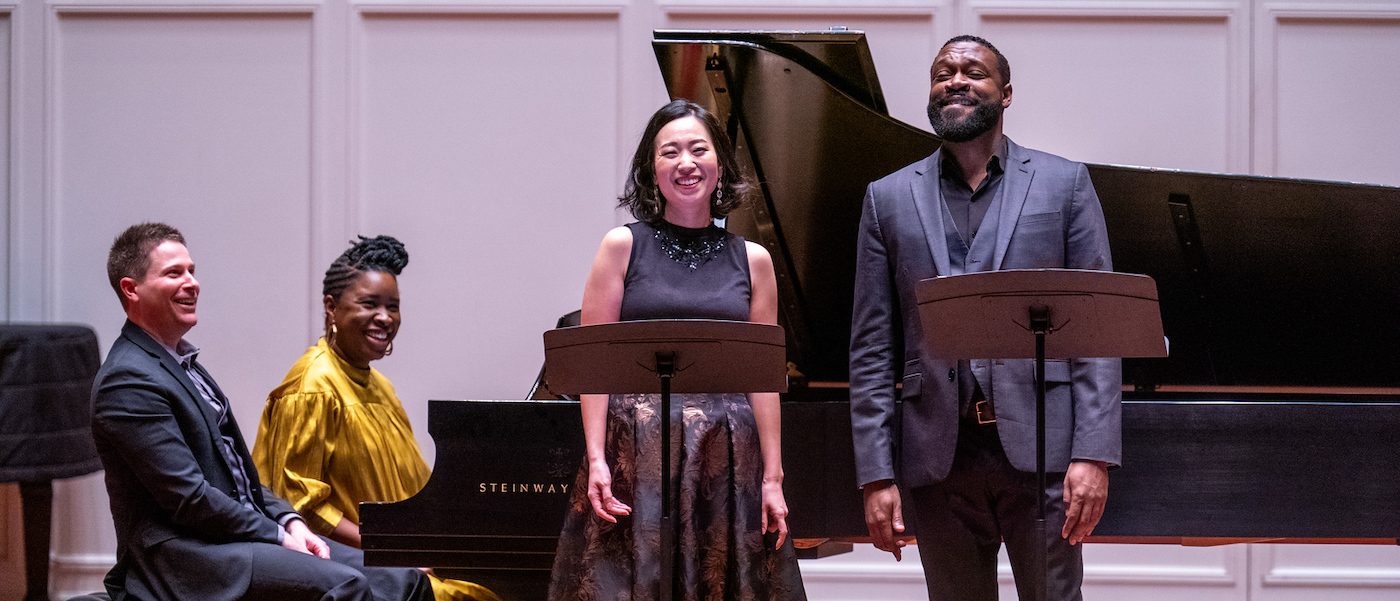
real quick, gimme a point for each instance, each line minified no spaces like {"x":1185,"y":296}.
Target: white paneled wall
{"x":492,"y":135}
{"x":1327,"y":90}
{"x":1079,"y":90}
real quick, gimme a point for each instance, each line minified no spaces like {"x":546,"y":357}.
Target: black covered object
{"x":46,"y":376}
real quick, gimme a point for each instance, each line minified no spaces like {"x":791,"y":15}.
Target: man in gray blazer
{"x":963,"y":445}
{"x":192,"y":519}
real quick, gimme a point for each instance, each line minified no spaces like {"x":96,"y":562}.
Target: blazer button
{"x":952,"y":375}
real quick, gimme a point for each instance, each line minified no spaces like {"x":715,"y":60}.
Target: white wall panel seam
{"x":49,"y":171}
{"x":326,"y":147}
{"x":7,"y":234}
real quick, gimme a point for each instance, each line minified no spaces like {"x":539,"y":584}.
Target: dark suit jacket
{"x":1049,"y":217}
{"x":170,"y":488}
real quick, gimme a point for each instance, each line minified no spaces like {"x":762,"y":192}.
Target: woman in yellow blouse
{"x":334,"y":433}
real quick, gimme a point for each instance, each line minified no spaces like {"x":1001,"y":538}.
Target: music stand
{"x":1068,"y":313}
{"x":665,"y":356}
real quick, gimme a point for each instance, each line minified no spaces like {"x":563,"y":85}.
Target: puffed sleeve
{"x":296,"y":439}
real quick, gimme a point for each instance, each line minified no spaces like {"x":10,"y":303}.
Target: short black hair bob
{"x":1003,"y":66}
{"x":381,"y":253}
{"x":642,"y":198}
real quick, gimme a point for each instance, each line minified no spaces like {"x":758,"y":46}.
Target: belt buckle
{"x":985,"y":415}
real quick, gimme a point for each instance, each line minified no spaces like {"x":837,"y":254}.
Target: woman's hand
{"x":600,"y":492}
{"x":775,"y":510}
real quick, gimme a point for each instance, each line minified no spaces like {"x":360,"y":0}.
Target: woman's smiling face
{"x":686,"y":165}
{"x":366,"y":318}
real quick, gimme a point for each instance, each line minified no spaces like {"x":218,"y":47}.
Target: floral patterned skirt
{"x":722,"y":554}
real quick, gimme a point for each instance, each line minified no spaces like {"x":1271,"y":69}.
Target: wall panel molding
{"x":1333,"y":577}
{"x":1288,"y":572}
{"x":454,"y":8}
{"x":1269,"y":17}
{"x":750,"y":10}
{"x":833,"y":570}
{"x":74,"y":574}
{"x":979,"y":9}
{"x":7,"y":150}
{"x":89,"y":10}
{"x":183,"y":7}
{"x":1232,"y":15}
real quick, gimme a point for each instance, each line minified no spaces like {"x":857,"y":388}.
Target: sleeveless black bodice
{"x":671,"y":276}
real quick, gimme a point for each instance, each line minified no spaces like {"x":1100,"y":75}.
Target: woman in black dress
{"x":674,"y":262}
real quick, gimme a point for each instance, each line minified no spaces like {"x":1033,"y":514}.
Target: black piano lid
{"x":1263,"y":281}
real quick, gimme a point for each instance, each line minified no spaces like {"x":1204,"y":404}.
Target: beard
{"x":984,"y":115}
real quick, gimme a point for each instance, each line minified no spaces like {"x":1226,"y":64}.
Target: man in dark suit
{"x":963,"y":446}
{"x":192,"y":519}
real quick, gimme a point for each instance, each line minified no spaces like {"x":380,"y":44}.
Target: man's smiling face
{"x":966,"y":92}
{"x":164,"y":301}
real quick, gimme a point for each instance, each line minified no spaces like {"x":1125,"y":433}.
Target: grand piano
{"x":1273,"y":418}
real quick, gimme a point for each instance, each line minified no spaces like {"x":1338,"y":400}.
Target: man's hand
{"x":884,"y":516}
{"x":299,"y":538}
{"x":1086,"y":490}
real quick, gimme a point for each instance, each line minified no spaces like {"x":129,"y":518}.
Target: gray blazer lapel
{"x":1014,"y":188}
{"x":928,"y":202}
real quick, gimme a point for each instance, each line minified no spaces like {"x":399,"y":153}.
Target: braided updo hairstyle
{"x":381,"y":253}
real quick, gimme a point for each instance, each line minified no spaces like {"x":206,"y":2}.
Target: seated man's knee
{"x":355,"y":587}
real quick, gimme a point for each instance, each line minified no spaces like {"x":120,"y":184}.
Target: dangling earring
{"x":334,"y":331}
{"x":390,"y":350}
{"x":719,"y":194}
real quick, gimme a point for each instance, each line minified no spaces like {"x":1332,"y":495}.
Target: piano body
{"x":1272,"y":419}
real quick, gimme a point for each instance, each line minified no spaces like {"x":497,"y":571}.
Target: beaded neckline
{"x":689,"y":246}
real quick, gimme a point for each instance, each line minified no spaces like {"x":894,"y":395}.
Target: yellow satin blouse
{"x":333,"y":435}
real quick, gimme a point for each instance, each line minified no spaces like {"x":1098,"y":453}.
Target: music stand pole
{"x":665,"y":370}
{"x":1040,"y":326}
{"x":667,"y":355}
{"x":985,"y":315}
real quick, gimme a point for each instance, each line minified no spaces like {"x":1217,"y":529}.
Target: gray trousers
{"x":184,"y":567}
{"x":962,"y":521}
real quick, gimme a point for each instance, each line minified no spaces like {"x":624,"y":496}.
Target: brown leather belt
{"x":984,"y":412}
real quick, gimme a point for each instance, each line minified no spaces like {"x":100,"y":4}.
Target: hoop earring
{"x":390,"y":350}
{"x":333,"y":332}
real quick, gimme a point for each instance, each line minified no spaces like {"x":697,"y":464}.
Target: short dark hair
{"x":1003,"y":66}
{"x":640,"y":195}
{"x":130,"y":256}
{"x":381,"y":253}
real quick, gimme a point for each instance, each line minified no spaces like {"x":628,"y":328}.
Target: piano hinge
{"x":716,"y":74}
{"x":1193,"y":256}
{"x":1188,"y":235}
